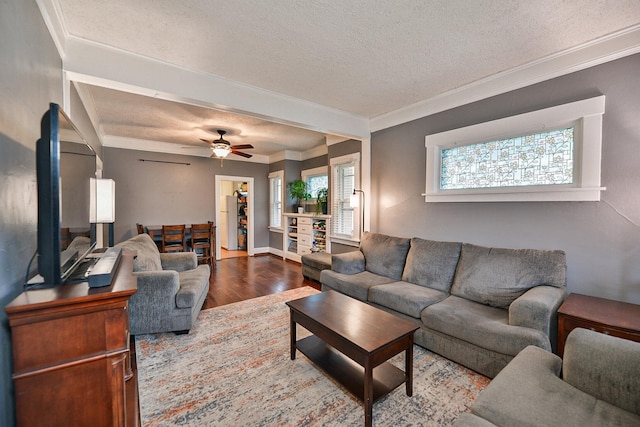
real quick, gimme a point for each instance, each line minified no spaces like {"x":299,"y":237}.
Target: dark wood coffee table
{"x":352,"y":338}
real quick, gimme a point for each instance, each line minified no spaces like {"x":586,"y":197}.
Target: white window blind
{"x":345,"y":174}
{"x":275,"y":199}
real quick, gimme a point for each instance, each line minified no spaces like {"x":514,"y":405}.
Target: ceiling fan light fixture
{"x":221,"y":150}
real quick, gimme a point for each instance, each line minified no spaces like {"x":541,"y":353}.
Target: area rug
{"x":234,"y":369}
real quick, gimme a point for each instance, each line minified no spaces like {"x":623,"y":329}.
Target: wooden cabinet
{"x":616,"y":318}
{"x":306,"y":233}
{"x":71,"y":359}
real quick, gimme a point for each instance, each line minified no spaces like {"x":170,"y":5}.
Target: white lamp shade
{"x":103,"y":201}
{"x":354,"y":200}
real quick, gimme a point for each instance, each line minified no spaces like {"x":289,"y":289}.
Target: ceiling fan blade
{"x":241,"y":146}
{"x":240,"y":153}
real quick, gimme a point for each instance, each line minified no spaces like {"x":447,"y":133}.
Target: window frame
{"x":584,"y":116}
{"x":311,"y":173}
{"x":337,"y":234}
{"x":277,"y":175}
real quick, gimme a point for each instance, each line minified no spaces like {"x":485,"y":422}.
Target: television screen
{"x":65,"y":166}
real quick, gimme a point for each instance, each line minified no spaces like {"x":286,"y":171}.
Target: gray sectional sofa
{"x":171,"y":288}
{"x":475,"y":305}
{"x":599,"y":386}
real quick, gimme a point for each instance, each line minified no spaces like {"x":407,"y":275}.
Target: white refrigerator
{"x":229,"y":226}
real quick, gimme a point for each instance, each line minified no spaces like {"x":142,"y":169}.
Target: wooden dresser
{"x":71,"y":360}
{"x":616,"y":318}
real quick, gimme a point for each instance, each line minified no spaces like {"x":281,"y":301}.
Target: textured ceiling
{"x":366,"y":57}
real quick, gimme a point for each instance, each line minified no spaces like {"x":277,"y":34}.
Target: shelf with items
{"x":242,"y":217}
{"x":305,"y":233}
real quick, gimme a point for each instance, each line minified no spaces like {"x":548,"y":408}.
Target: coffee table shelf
{"x":386,"y":377}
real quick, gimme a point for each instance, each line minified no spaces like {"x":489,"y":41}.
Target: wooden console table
{"x":71,"y":357}
{"x":616,"y":318}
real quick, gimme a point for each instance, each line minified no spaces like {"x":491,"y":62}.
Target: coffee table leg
{"x":368,"y":394}
{"x":408,"y":368}
{"x":292,"y":335}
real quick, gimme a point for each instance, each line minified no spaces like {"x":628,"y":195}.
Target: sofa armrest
{"x":348,"y":262}
{"x":605,"y":367}
{"x":156,"y":289}
{"x":179,"y":261}
{"x":538,"y":309}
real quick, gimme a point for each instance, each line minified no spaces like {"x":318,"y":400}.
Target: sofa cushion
{"x":404,"y":297}
{"x":147,"y":254}
{"x":192,"y":284}
{"x":354,"y":285}
{"x":432,"y":264}
{"x":384,"y":255}
{"x":497,"y":276}
{"x":481,"y":325}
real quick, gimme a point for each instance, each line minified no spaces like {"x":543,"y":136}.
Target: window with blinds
{"x":275,"y":199}
{"x":345,"y":175}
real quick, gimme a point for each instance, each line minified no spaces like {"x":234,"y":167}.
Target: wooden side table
{"x":616,"y":318}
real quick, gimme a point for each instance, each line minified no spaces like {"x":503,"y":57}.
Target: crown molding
{"x":599,"y":51}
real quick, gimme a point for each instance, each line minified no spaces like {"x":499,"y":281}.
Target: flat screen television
{"x":65,"y":164}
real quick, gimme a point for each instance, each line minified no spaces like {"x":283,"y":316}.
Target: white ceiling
{"x":365,"y":58}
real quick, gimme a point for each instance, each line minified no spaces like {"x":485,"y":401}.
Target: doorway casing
{"x":218,"y":183}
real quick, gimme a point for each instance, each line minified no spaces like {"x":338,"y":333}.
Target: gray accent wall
{"x":601,"y":239}
{"x":177,"y":189}
{"x":30,"y":78}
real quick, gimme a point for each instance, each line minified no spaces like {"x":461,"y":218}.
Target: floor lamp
{"x":103,"y":204}
{"x":355,"y":202}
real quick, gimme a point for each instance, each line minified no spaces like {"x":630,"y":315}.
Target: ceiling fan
{"x":221,"y":148}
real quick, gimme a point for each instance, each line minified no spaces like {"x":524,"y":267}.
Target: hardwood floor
{"x":238,"y":279}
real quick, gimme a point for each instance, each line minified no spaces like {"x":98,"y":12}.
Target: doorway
{"x":234,"y":216}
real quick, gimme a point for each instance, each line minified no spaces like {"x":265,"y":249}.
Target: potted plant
{"x":321,"y":201}
{"x":298,"y":190}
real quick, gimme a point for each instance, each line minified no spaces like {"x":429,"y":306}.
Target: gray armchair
{"x":171,"y":288}
{"x":599,"y":386}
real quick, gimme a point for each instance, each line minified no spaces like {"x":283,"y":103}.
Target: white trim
{"x":92,"y":63}
{"x":277,"y":174}
{"x":586,"y":118}
{"x":596,"y":52}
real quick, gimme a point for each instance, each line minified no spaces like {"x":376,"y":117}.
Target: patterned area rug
{"x":234,"y":369}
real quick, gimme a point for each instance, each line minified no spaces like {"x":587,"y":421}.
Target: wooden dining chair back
{"x":202,"y":242}
{"x":173,"y":238}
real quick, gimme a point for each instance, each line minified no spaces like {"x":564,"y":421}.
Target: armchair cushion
{"x":179,"y":261}
{"x":147,"y":257}
{"x":191,"y":286}
{"x":497,"y":276}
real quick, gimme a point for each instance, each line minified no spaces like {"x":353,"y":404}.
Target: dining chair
{"x":173,"y":238}
{"x":202,"y":242}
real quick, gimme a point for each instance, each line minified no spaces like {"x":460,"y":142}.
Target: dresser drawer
{"x":304,"y":240}
{"x":570,"y":323}
{"x":304,"y":221}
{"x":303,"y":249}
{"x":304,"y":229}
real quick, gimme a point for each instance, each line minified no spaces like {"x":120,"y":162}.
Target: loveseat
{"x":171,"y":288}
{"x":599,"y":386}
{"x":475,"y":305}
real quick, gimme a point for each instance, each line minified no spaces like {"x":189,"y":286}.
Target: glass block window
{"x":556,"y":158}
{"x":544,"y":158}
